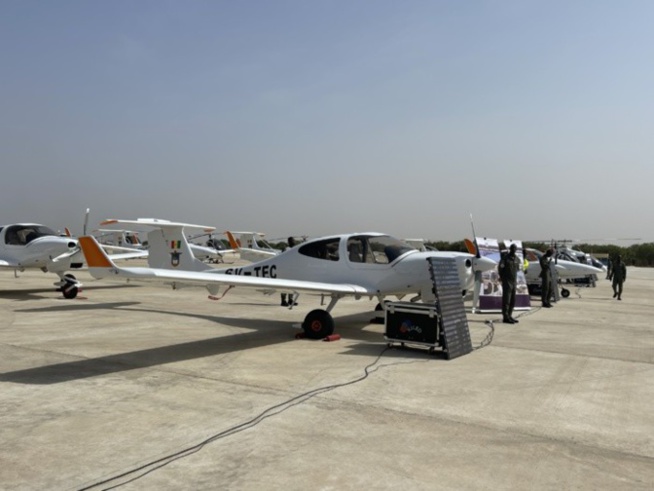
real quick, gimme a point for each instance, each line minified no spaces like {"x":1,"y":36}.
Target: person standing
{"x":546,"y":278}
{"x":508,"y":270}
{"x":618,"y":275}
{"x":290,"y":302}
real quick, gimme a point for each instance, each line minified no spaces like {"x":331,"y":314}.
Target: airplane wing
{"x":129,"y":255}
{"x":101,"y":266}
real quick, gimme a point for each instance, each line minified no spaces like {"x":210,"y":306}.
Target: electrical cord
{"x":491,"y":324}
{"x":152,"y":466}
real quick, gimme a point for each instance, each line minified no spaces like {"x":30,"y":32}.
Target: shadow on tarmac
{"x":51,"y":293}
{"x":264,"y":333}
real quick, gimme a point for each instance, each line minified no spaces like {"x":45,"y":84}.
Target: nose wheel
{"x":69,"y":289}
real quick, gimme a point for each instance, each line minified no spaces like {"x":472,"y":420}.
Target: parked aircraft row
{"x":369,"y":264}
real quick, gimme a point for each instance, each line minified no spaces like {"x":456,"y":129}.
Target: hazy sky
{"x":318,"y":117}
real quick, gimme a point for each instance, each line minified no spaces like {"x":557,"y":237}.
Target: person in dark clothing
{"x":290,"y":302}
{"x":609,"y":268}
{"x":546,"y":278}
{"x":508,"y":270}
{"x":619,"y":276}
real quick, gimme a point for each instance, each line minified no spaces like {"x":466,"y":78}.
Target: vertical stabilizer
{"x":169,"y":249}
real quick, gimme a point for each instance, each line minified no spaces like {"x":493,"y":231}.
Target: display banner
{"x":490,"y":287}
{"x":522,"y":298}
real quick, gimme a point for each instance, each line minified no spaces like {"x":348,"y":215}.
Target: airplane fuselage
{"x":25,"y":246}
{"x":380,"y":273}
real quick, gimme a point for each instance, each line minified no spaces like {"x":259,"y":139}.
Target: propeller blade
{"x":66,"y":255}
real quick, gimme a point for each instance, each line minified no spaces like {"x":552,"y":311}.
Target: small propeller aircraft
{"x":120,"y":238}
{"x":565,"y":269}
{"x":251,"y":245}
{"x":34,"y":246}
{"x":359,"y":265}
{"x":203,"y":253}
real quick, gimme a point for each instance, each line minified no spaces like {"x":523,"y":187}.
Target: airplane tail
{"x":168,"y":246}
{"x":169,"y":249}
{"x":233,"y":243}
{"x":100,"y":265}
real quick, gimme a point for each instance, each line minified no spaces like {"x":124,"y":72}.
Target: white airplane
{"x":34,"y":246}
{"x":203,"y":253}
{"x":357,"y":265}
{"x":575,"y":255}
{"x":251,"y":245}
{"x":120,"y":238}
{"x":565,"y":269}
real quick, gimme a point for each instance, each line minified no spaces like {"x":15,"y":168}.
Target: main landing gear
{"x":68,"y":286}
{"x":318,"y":324}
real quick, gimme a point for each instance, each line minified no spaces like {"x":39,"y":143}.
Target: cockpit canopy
{"x":369,"y":249}
{"x":24,"y":234}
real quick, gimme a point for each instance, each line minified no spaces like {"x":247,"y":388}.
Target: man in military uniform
{"x":546,"y":278}
{"x":508,"y":270}
{"x":618,"y":275}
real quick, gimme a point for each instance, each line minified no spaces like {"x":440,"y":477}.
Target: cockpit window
{"x":322,"y":249}
{"x":533,"y":255}
{"x":381,"y":249}
{"x":24,"y":234}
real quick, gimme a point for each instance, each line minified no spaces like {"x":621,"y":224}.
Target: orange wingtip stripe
{"x":95,"y":256}
{"x":109,"y":222}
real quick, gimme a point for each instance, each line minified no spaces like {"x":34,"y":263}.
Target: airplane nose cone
{"x":581,"y":269}
{"x":483,"y":264}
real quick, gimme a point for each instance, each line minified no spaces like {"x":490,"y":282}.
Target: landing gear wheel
{"x":69,"y":290}
{"x":565,"y":293}
{"x":318,"y":324}
{"x":379,"y":318}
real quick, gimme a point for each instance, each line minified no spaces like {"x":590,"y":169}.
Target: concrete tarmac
{"x":142,"y":387}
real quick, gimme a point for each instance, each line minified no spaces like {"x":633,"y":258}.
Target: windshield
{"x":24,"y":234}
{"x":381,"y":249}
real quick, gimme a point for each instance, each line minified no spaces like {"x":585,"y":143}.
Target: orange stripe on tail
{"x":95,"y":256}
{"x":232,"y":241}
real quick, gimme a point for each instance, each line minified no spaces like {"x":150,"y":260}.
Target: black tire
{"x":318,"y":324}
{"x":70,"y":293}
{"x":379,"y":305}
{"x":68,"y":290}
{"x":565,"y":293}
